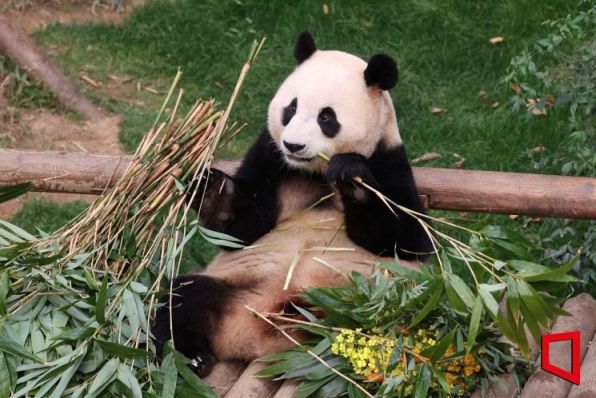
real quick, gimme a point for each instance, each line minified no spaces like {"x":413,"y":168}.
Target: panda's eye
{"x":289,"y":112}
{"x":328,"y":122}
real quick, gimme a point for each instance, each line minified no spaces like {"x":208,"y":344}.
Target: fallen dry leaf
{"x":513,"y":216}
{"x":538,"y":149}
{"x":152,"y":90}
{"x":435,"y":109}
{"x":459,"y":162}
{"x":482,"y":94}
{"x":496,"y":40}
{"x":85,"y":78}
{"x":534,"y":108}
{"x":495,"y":105}
{"x":515,"y":88}
{"x":326,"y":9}
{"x":426,"y":157}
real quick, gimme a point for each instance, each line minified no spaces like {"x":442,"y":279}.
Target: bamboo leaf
{"x":309,"y":387}
{"x":9,"y":346}
{"x":4,"y":289}
{"x":423,"y":382}
{"x":489,"y":301}
{"x":103,"y":378}
{"x":65,"y":378}
{"x":217,"y":235}
{"x":462,"y":290}
{"x":532,"y":272}
{"x":197,"y":385}
{"x":5,"y":385}
{"x":130,"y":381}
{"x":439,"y":349}
{"x":440,"y":377}
{"x":102,"y":297}
{"x":532,"y":301}
{"x":170,"y":374}
{"x":430,"y":305}
{"x":14,"y":191}
{"x":474,"y":324}
{"x":123,"y":351}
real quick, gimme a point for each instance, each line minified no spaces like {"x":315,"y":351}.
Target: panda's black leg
{"x":189,"y":315}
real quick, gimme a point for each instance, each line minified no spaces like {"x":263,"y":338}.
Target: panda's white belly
{"x":315,"y":245}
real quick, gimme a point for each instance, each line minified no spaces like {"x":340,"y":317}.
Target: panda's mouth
{"x":299,"y":159}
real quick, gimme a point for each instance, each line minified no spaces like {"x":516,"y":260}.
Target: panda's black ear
{"x":304,"y":47}
{"x":381,"y":71}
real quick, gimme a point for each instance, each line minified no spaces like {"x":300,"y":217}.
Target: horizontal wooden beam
{"x":447,"y":189}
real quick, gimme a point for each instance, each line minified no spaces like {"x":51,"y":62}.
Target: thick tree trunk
{"x":18,"y":46}
{"x":447,"y":189}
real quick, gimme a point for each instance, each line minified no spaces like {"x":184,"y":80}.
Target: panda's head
{"x":333,"y":102}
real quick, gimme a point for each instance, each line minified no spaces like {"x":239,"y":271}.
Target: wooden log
{"x":249,"y":386}
{"x":543,"y":384}
{"x":446,"y":189}
{"x":224,"y":375}
{"x":587,"y":386}
{"x":21,"y":48}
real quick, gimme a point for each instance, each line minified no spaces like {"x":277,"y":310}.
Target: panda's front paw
{"x":342,"y":171}
{"x":345,"y":166}
{"x":213,"y":197}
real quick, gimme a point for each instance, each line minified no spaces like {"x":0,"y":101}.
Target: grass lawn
{"x":442,"y":48}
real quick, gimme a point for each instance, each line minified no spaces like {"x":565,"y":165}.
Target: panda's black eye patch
{"x":289,"y":112}
{"x":327,"y":120}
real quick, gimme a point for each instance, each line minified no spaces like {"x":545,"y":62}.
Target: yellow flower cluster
{"x":453,"y":368}
{"x":369,"y":355}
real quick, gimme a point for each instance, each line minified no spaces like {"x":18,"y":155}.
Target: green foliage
{"x":559,"y":71}
{"x":433,"y":332}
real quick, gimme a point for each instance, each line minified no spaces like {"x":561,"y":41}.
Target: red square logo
{"x":574,"y":337}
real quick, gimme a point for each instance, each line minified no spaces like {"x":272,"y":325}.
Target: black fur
{"x":327,"y":120}
{"x":216,"y":191}
{"x":381,"y":71}
{"x":197,"y":302}
{"x":254,"y":205}
{"x":370,"y":223}
{"x":304,"y":47}
{"x":289,"y":112}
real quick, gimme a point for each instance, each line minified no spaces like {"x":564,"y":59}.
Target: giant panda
{"x":290,"y":205}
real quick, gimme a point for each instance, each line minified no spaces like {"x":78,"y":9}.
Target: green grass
{"x":42,"y":214}
{"x":442,"y":48}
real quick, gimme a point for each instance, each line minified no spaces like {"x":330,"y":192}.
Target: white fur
{"x":332,"y":79}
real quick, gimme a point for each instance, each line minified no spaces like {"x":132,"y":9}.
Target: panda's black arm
{"x":254,"y":204}
{"x":369,"y":222}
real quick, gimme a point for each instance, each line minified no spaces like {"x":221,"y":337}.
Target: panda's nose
{"x":293,"y":147}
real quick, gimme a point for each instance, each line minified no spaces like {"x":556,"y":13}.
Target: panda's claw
{"x":202,"y":364}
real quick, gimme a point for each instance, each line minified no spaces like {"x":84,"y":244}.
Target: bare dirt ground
{"x":48,"y":130}
{"x":42,"y":13}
